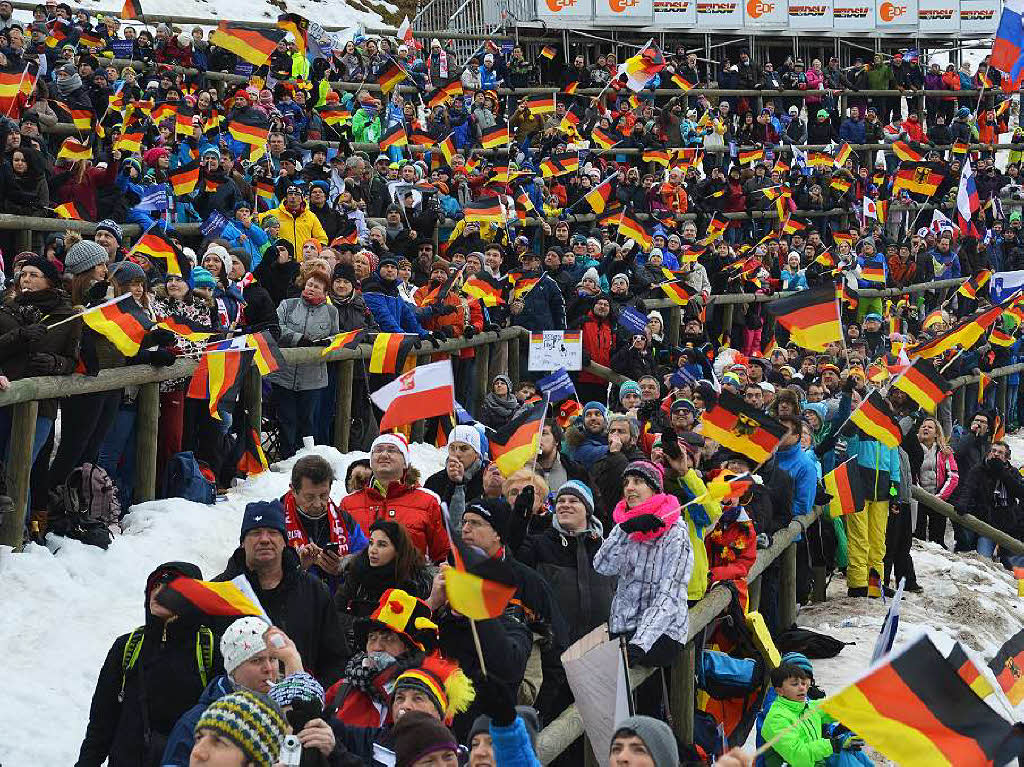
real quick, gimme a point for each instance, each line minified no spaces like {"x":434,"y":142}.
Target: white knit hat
{"x":242,"y":640}
{"x":469,"y":435}
{"x":220,"y":252}
{"x":393,"y":439}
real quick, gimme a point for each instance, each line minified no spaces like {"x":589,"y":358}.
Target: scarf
{"x":442,"y":64}
{"x":664,"y":507}
{"x":297,"y":533}
{"x":457,"y":504}
{"x":312,"y":300}
{"x":69,"y":84}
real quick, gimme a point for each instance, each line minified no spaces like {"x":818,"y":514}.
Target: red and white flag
{"x":405,"y":34}
{"x":423,"y":392}
{"x":870,"y":209}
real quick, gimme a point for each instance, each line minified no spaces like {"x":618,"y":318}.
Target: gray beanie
{"x":83,"y":256}
{"x":113,"y":227}
{"x":125,"y":272}
{"x":656,"y":735}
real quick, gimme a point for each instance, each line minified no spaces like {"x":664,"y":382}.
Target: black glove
{"x":670,"y":443}
{"x":496,"y":700}
{"x":41,"y":364}
{"x":322,"y":341}
{"x":418,"y":343}
{"x":437,"y":339}
{"x":524,"y":502}
{"x":160,"y":337}
{"x":640,"y":305}
{"x":642,"y":523}
{"x":98,"y":290}
{"x":469,"y":331}
{"x":31,"y":333}
{"x":849,"y":384}
{"x":492,"y":327}
{"x":161,"y":358}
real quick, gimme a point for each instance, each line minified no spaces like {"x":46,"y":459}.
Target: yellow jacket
{"x":700,"y":520}
{"x":298,"y":229}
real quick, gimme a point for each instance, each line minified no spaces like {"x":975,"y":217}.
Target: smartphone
{"x":332,"y":547}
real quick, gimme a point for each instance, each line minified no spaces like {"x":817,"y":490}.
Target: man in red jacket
{"x":389,"y":496}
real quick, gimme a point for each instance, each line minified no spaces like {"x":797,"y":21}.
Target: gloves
{"x":31,"y":333}
{"x":469,"y":331}
{"x":436,"y":339}
{"x":642,"y":523}
{"x":41,"y":364}
{"x":763,"y":541}
{"x":161,"y":358}
{"x":418,"y":343}
{"x":160,"y":337}
{"x":670,"y":443}
{"x":445,"y":310}
{"x":98,"y":290}
{"x":524,"y":503}
{"x":496,"y":700}
{"x":846,"y":742}
{"x":849,"y":385}
{"x":640,"y":305}
{"x":492,"y":327}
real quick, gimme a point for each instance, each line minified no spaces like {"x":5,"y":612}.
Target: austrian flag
{"x":423,"y":392}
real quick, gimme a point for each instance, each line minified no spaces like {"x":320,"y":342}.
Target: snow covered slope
{"x":59,"y":613}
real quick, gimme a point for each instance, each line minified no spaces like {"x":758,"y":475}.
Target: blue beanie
{"x":259,"y":514}
{"x":201,"y":278}
{"x":629,"y":387}
{"x":595,"y":405}
{"x":581,"y":491}
{"x":798,"y":659}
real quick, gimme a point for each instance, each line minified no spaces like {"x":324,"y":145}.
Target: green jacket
{"x":801,"y":746}
{"x":366,"y":126}
{"x":880,"y":78}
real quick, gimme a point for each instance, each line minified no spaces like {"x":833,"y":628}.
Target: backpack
{"x":85,"y":506}
{"x":132,"y":648}
{"x":184,"y":478}
{"x":810,"y":643}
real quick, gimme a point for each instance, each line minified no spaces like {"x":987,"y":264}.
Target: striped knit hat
{"x":250,"y":721}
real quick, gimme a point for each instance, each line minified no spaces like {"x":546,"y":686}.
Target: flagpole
{"x":87,"y":311}
{"x":476,"y":644}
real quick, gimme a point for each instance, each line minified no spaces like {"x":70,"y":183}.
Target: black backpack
{"x":810,"y":643}
{"x":85,"y":506}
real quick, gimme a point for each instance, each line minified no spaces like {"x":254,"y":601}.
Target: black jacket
{"x":993,"y":495}
{"x":606,"y":479}
{"x":163,"y":683}
{"x":302,"y":608}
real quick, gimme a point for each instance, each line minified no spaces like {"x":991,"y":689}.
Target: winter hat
{"x":576,"y":488}
{"x":45,"y":266}
{"x":106,"y":225}
{"x":495,"y":511}
{"x":270,"y":221}
{"x":418,"y":735}
{"x":398,"y":611}
{"x":269,"y":514}
{"x":344,"y":272}
{"x":447,"y":685}
{"x":393,"y":439}
{"x":469,"y":435}
{"x":649,"y":472}
{"x":131,"y":162}
{"x":220,"y":252}
{"x":629,"y":387}
{"x":595,"y":405}
{"x":297,"y":687}
{"x":211,"y":149}
{"x":251,"y":721}
{"x":126,"y":272}
{"x":820,"y":409}
{"x":242,"y":640}
{"x":798,"y":659}
{"x":591,"y":274}
{"x":621,"y":276}
{"x":151,"y":156}
{"x":683,"y":404}
{"x":201,"y":278}
{"x":656,"y":735}
{"x":482,"y":724}
{"x":83,"y":256}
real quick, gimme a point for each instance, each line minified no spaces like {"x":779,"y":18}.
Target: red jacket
{"x":732,"y":549}
{"x":418,"y":510}
{"x":598,"y":341}
{"x":82,"y":191}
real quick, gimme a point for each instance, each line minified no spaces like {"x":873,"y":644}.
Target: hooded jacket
{"x":417,"y":509}
{"x":298,"y":227}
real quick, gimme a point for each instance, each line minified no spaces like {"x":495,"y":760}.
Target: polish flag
{"x":423,"y":392}
{"x":405,"y":34}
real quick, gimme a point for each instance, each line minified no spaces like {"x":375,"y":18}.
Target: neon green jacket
{"x":801,"y":746}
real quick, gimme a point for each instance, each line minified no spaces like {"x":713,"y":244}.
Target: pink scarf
{"x":665,"y":507}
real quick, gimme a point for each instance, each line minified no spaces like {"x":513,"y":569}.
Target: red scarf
{"x":297,"y":534}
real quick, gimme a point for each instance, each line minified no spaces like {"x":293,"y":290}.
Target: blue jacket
{"x":852,"y":132}
{"x":592,"y":450}
{"x":879,"y":465}
{"x":876,"y":261}
{"x":792,"y":281}
{"x":544,"y":306}
{"x":947,"y":266}
{"x":512,"y":746}
{"x":255,"y":242}
{"x":182,"y":737}
{"x":804,"y":471}
{"x":392,"y":313}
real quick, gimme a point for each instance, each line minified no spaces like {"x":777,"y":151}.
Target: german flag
{"x":489,"y":290}
{"x":74,"y":150}
{"x":875,"y":418}
{"x":923,"y":384}
{"x":749,"y":156}
{"x":970,"y":288}
{"x":264,"y":190}
{"x":253,"y":460}
{"x":299,"y":28}
{"x":445,"y":93}
{"x":515,"y":444}
{"x":121,"y":321}
{"x":250,"y":43}
{"x":906,"y":152}
{"x":840,"y":237}
{"x":843,"y":154}
{"x":735,"y":425}
{"x":810,"y":316}
{"x":184,"y":178}
{"x":334,"y":115}
{"x":249,"y":130}
{"x":678,"y":291}
{"x":999,"y":337}
{"x":659,"y":156}
{"x":681,"y":82}
{"x":389,"y":352}
{"x":158,"y":247}
{"x":633,"y":229}
{"x":541,"y":105}
{"x":186,"y":328}
{"x":163,"y":110}
{"x":523,"y":285}
{"x":1018,"y":573}
{"x":477,"y":587}
{"x":130,"y":141}
{"x":495,"y":137}
{"x":191,"y":598}
{"x":68,"y":210}
{"x":349,"y":340}
{"x":919,"y":178}
{"x":1008,"y":667}
{"x":969,"y":672}
{"x":716,"y":228}
{"x":548,"y":52}
{"x":58,"y":31}
{"x":570,"y":89}
{"x":819,"y":160}
{"x":485,"y":211}
{"x":11,"y":81}
{"x":569,"y":162}
{"x":132,"y":9}
{"x":90,"y":40}
{"x":598,"y":196}
{"x":391,"y":77}
{"x":965,"y":334}
{"x":602,"y":138}
{"x":394,"y":136}
{"x":420,"y":137}
{"x":841,"y":185}
{"x":218,"y":378}
{"x":792,"y":226}
{"x":82,"y":118}
{"x":352,"y":238}
{"x":267,"y":354}
{"x":183,"y":120}
{"x":844,"y":484}
{"x":875,"y":274}
{"x":447,"y":148}
{"x":916,"y":710}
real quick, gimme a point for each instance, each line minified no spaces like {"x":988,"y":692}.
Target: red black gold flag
{"x":495,"y":137}
{"x":249,"y":130}
{"x":844,"y":485}
{"x":391,"y":77}
{"x":129,"y":141}
{"x":132,"y":9}
{"x":349,"y":340}
{"x":1008,"y":666}
{"x":68,"y":210}
{"x":74,"y":150}
{"x":602,"y":138}
{"x":918,"y":178}
{"x":477,"y":587}
{"x":121,"y":321}
{"x":186,"y":328}
{"x":964,"y":334}
{"x":970,"y":288}
{"x":485,"y":211}
{"x":298,"y":26}
{"x":389,"y":352}
{"x":916,"y":710}
{"x":184,"y":178}
{"x":969,"y":672}
{"x":250,"y":43}
{"x":923,"y":384}
{"x":267,"y":354}
{"x":445,"y":93}
{"x":218,"y":378}
{"x":810,"y":316}
{"x":253,"y":460}
{"x":394,"y":136}
{"x":659,"y":156}
{"x":159,"y":248}
{"x":515,"y":444}
{"x":735,"y":425}
{"x":633,"y":229}
{"x":187,"y":597}
{"x":875,"y":418}
{"x":490,"y":290}
{"x":678,"y":291}
{"x":541,"y":105}
{"x":906,"y":152}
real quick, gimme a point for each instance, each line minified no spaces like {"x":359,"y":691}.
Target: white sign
{"x":766,"y":13}
{"x":624,"y":12}
{"x":810,"y":14}
{"x":597,"y":678}
{"x":979,"y":16}
{"x":675,"y":13}
{"x":939,"y":15}
{"x":1004,"y":285}
{"x":719,"y":14}
{"x":555,"y":349}
{"x":896,"y":13}
{"x":563,"y":13}
{"x":853,"y":15}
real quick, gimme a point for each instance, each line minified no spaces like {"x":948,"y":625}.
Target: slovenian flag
{"x":1008,"y":49}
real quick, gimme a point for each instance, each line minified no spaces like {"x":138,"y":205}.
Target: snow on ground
{"x":59,"y":613}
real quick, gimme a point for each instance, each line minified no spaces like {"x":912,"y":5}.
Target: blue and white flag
{"x":214,"y":225}
{"x":154,"y":198}
{"x":557,"y":386}
{"x":633,"y":320}
{"x":892,"y":622}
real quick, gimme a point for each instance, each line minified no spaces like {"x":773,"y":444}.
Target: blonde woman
{"x":937,"y":475}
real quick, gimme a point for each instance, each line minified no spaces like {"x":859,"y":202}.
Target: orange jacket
{"x":467,"y":312}
{"x":674,"y":197}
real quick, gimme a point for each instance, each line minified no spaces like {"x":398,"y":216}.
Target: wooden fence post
{"x":1001,"y":394}
{"x":252,"y":393}
{"x":727,"y":316}
{"x":481,"y":379}
{"x":19,"y":472}
{"x":513,"y":360}
{"x":343,"y":404}
{"x":754,"y":595}
{"x":23,"y":239}
{"x":681,"y":694}
{"x":147,"y":421}
{"x":787,"y":588}
{"x":675,"y":318}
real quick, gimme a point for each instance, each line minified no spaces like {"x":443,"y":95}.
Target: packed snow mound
{"x":62,"y":610}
